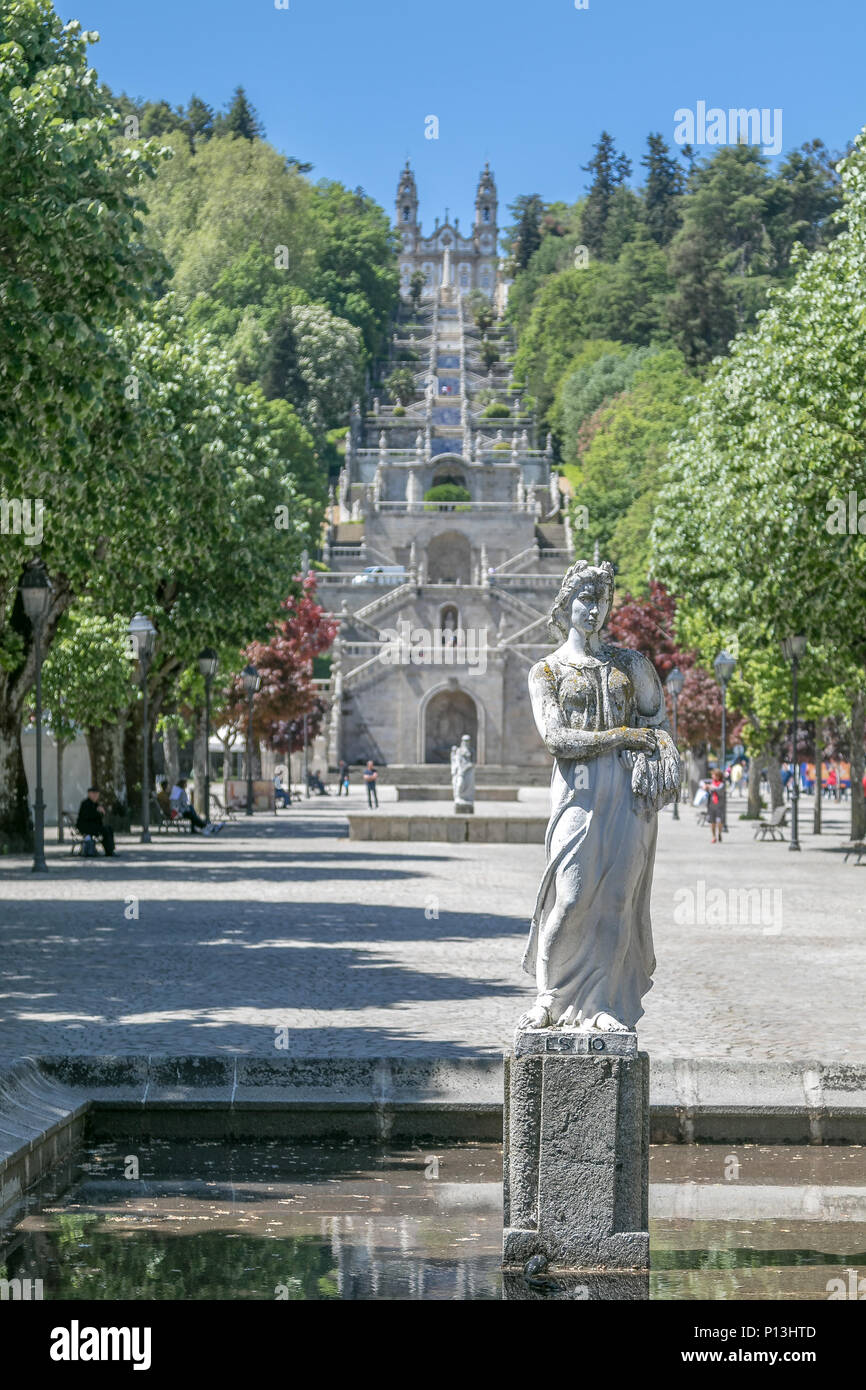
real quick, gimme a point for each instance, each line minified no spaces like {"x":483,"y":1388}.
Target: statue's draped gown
{"x":590,"y":943}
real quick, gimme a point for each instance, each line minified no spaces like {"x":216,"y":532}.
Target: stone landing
{"x":445,"y":824}
{"x":576,"y":1160}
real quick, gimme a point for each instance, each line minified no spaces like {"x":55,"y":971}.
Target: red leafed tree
{"x":649,"y":625}
{"x":285,"y":665}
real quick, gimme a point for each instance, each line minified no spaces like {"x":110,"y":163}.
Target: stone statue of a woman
{"x":463,"y":776}
{"x":601,"y":712}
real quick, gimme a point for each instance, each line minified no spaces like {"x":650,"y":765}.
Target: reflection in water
{"x":282,"y":1221}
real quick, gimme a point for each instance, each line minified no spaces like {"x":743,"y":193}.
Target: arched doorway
{"x":449,"y":715}
{"x":449,"y":559}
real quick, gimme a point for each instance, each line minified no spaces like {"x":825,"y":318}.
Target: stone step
{"x":420,"y":792}
{"x":453,"y":829}
{"x":486,"y":775}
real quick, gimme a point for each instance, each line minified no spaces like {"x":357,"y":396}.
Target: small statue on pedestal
{"x":463,"y":778}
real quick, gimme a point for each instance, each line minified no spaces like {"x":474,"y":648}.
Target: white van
{"x":381,"y":574}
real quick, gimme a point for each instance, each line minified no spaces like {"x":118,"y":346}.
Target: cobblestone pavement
{"x":212,"y":945}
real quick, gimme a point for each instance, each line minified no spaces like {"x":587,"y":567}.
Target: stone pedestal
{"x":576,"y":1160}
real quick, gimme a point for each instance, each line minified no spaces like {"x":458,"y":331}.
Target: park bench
{"x":77,"y":846}
{"x":222,"y":812}
{"x":161,"y":822}
{"x":857,"y":847}
{"x":772,"y":827}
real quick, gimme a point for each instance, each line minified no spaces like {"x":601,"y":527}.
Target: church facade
{"x":463,"y":261}
{"x":440,"y":641}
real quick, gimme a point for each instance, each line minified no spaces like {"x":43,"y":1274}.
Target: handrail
{"x":384,"y":600}
{"x":513,"y":559}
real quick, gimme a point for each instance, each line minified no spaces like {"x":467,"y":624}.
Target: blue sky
{"x":347,"y":84}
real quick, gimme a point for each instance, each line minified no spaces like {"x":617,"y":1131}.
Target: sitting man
{"x":181,"y":803}
{"x":92,"y":826}
{"x":163,"y":800}
{"x":315,"y":783}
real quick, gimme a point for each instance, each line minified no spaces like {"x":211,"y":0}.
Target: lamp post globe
{"x":141,"y":637}
{"x":35,"y":589}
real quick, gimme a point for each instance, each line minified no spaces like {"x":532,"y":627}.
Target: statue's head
{"x":584,"y":600}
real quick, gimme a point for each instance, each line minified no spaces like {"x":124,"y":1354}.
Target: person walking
{"x":92,"y":826}
{"x":736,"y":778}
{"x":343,"y":778}
{"x":282,"y":794}
{"x":716,"y":805}
{"x":371,"y":777}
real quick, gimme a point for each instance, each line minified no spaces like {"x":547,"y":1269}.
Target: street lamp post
{"x":793,"y":648}
{"x":675,"y":682}
{"x":208,"y":661}
{"x":252,"y":683}
{"x":36,"y":596}
{"x":306,"y":762}
{"x":142,"y":637}
{"x":724,"y":666}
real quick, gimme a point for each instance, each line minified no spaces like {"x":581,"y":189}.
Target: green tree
{"x":280,"y":373}
{"x":756,"y":519}
{"x":524,"y":233}
{"x":663,"y":190}
{"x":85,"y":682}
{"x":417,"y":282}
{"x":199,"y":217}
{"x":481,"y":310}
{"x":70,"y":205}
{"x":401,"y":385}
{"x":241,"y":119}
{"x":588,"y":386}
{"x":199,"y":120}
{"x":355,"y":265}
{"x":807,"y":193}
{"x":158,"y":118}
{"x":619,"y":474}
{"x":609,"y":171}
{"x":722,"y":260}
{"x":330,"y":358}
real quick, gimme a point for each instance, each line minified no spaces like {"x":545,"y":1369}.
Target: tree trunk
{"x":754,"y":807}
{"x":774,"y":777}
{"x":171,"y":752}
{"x":16,"y":823}
{"x":61,"y":747}
{"x":697,"y":768}
{"x":199,"y":761}
{"x":858,"y":805}
{"x":107,"y":772}
{"x":819,"y":773}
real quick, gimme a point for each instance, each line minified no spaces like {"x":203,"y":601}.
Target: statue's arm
{"x":657,"y":783}
{"x":650,"y":696}
{"x":559,"y":739}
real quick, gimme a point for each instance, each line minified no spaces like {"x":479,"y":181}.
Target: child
{"x":716,"y":805}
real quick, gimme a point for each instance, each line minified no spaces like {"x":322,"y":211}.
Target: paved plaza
{"x":409,"y":949}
